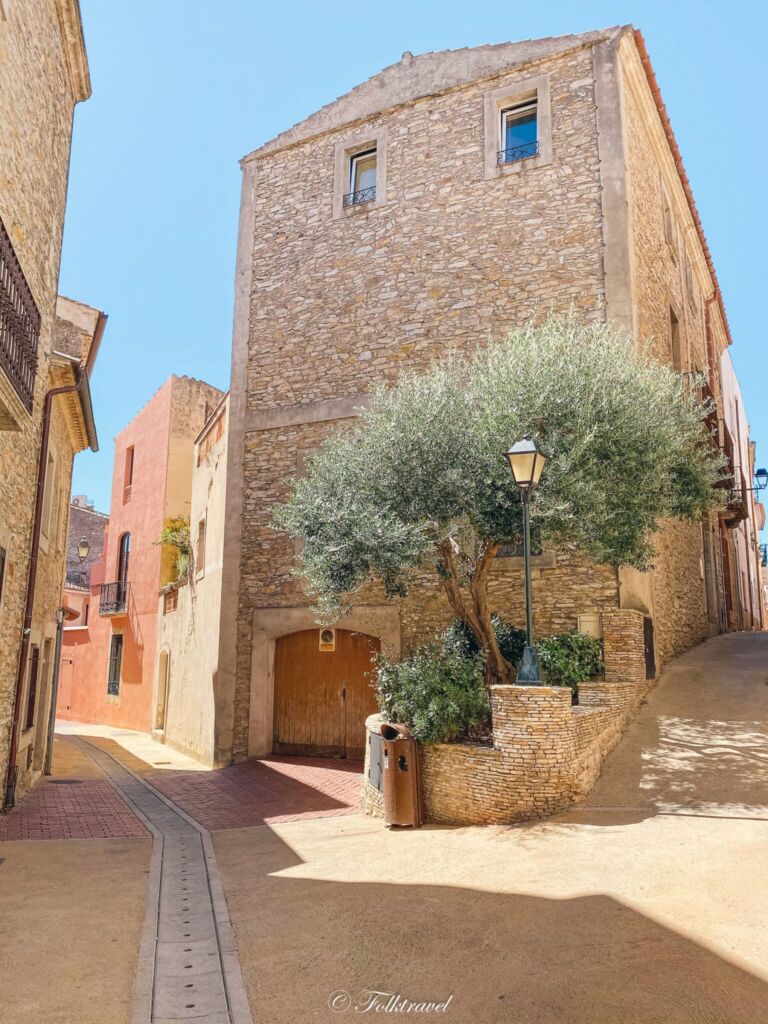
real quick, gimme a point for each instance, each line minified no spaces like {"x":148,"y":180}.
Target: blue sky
{"x":183,"y":88}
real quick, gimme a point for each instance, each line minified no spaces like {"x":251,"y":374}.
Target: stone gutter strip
{"x":201,"y":932}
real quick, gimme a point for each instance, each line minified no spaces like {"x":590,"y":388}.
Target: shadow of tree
{"x":699,"y":744}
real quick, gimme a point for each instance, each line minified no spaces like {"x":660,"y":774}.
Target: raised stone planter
{"x":546,"y":754}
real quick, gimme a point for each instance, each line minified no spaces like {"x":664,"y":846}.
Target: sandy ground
{"x":645,"y":905}
{"x":70,"y":913}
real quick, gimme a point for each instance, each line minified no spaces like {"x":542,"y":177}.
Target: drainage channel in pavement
{"x":188,"y":966}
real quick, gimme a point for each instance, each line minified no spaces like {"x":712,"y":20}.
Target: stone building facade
{"x":462,"y":239}
{"x":43,"y":75}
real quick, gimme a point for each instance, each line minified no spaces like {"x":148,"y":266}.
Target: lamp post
{"x":83,"y":548}
{"x":526,"y":463}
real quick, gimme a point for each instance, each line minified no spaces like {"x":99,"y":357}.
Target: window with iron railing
{"x":19,"y":324}
{"x":519,"y":132}
{"x":362,"y":179}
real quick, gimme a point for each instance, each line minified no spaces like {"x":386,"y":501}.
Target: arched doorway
{"x":323,"y":692}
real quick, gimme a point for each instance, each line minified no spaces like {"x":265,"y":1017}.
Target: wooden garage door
{"x":322,"y":698}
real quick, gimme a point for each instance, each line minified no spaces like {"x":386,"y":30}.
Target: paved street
{"x":642,"y":904}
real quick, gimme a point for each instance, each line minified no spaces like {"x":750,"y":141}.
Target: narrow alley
{"x":677,"y":823}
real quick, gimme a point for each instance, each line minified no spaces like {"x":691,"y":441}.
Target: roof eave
{"x":653,"y":84}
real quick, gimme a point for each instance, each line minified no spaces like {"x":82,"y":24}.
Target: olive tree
{"x":420,"y":480}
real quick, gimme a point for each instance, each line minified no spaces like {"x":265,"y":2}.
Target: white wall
{"x":190,"y":634}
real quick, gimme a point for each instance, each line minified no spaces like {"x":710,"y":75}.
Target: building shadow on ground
{"x":506,"y":958}
{"x":271,"y":789}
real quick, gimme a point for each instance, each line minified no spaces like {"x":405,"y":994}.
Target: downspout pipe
{"x":81,"y":387}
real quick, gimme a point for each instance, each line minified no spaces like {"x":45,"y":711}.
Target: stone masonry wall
{"x":450,"y":260}
{"x":660,"y":279}
{"x":546,"y":754}
{"x":36,"y":105}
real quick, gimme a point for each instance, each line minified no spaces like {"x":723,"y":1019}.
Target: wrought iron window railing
{"x":113,"y":597}
{"x":19,"y":324}
{"x":365,"y":195}
{"x":510,"y":156}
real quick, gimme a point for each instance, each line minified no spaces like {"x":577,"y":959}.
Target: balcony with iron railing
{"x":515,"y":153}
{"x":364,"y":195}
{"x":737,"y":505}
{"x":114,"y":598}
{"x":19,"y":324}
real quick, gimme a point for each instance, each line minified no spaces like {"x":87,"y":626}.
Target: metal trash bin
{"x":402,"y":784}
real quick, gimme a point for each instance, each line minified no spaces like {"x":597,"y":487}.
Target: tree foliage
{"x":421,"y":479}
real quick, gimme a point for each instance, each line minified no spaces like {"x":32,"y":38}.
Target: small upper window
{"x":48,"y":503}
{"x":669,"y":227}
{"x":128,"y":474}
{"x":519,"y":132}
{"x":362,"y":178}
{"x":676,"y":351}
{"x":690,"y":285}
{"x":201,"y":548}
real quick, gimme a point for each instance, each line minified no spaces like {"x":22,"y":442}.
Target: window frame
{"x":202,"y":531}
{"x":496,"y":102}
{"x":690,"y":283}
{"x":354,"y":162}
{"x":3,"y":564}
{"x":514,"y":113}
{"x":345,"y":150}
{"x":111,"y":658}
{"x":33,"y":683}
{"x":49,"y":486}
{"x":128,"y":469}
{"x":675,"y":336}
{"x":669,"y":224}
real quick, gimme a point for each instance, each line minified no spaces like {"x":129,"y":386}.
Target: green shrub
{"x":567,"y":659}
{"x":438,"y":692}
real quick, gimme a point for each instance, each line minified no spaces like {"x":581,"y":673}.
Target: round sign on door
{"x":323,"y":692}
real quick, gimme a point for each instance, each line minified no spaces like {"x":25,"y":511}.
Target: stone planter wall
{"x":546,"y":754}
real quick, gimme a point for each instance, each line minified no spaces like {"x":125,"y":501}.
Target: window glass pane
{"x":364,"y":172}
{"x":34,"y":667}
{"x":115,"y":658}
{"x":519,"y":129}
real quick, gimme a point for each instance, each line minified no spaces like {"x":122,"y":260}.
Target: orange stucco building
{"x":108,"y":652}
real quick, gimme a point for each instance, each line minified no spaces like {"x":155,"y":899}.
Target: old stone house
{"x":109,"y":655}
{"x":46,"y":344}
{"x":449,"y":198}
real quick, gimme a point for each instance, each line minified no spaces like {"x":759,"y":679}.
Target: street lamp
{"x":83,"y":548}
{"x":526,"y":463}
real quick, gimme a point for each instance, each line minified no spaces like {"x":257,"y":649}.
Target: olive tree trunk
{"x":471,"y":606}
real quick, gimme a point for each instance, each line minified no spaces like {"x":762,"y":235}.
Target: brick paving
{"x":71,"y":809}
{"x":271,"y":790}
{"x":78,"y":802}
